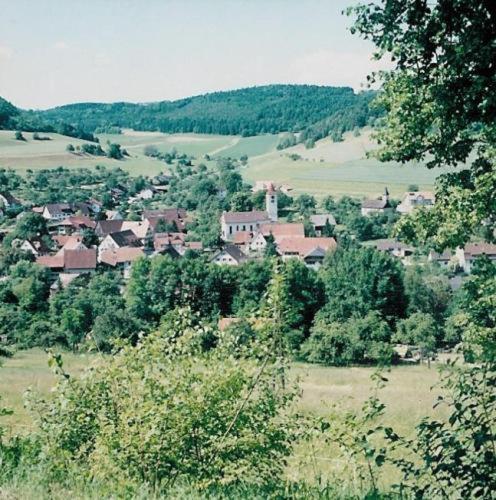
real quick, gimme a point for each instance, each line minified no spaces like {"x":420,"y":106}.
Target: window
{"x":230,"y":229}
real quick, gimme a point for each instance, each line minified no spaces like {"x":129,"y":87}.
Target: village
{"x":84,"y":236}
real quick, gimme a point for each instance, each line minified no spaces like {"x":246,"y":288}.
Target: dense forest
{"x":316,"y":111}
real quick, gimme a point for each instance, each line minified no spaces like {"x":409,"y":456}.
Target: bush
{"x":356,"y":341}
{"x":163,"y":410}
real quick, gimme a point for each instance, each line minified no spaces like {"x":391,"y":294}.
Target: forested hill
{"x":315,"y":109}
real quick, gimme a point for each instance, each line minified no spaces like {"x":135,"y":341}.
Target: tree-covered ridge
{"x":249,"y":111}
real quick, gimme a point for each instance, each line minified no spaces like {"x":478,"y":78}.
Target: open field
{"x":407,"y":395}
{"x":329,"y":168}
{"x":339,"y":169}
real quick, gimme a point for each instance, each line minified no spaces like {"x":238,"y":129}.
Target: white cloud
{"x":333,"y":67}
{"x":5,"y":52}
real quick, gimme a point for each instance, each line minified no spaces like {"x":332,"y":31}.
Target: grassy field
{"x":21,"y":156}
{"x":324,"y":391}
{"x":328,"y":168}
{"x":407,"y":395}
{"x":339,"y":169}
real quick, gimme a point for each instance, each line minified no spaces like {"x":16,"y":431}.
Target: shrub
{"x":163,"y":410}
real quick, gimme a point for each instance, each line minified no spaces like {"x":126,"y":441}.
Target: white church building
{"x":235,"y":222}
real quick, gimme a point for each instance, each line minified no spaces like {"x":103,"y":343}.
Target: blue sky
{"x":60,"y":51}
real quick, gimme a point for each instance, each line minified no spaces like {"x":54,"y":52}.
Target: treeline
{"x":315,"y":110}
{"x":13,"y":118}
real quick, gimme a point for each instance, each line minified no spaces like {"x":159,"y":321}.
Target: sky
{"x":55,"y":52}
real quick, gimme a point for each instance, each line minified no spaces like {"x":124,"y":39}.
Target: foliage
{"x":354,"y":341}
{"x":419,"y":329}
{"x":165,"y":410}
{"x":454,"y":458}
{"x":437,"y":108}
{"x":318,"y":110}
{"x":359,"y":280}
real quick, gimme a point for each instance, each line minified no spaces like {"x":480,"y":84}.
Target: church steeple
{"x":271,"y":202}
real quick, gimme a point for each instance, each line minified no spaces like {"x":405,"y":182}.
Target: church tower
{"x":271,"y":202}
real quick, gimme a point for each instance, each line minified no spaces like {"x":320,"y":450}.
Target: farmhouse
{"x":395,"y":248}
{"x":378,"y":206}
{"x":119,"y":240}
{"x":121,"y":258}
{"x":104,"y":227}
{"x":277,"y":231}
{"x":466,"y":256}
{"x":234,"y":222}
{"x":77,"y":261}
{"x":444,"y":259}
{"x":415,"y":199}
{"x":319,"y":222}
{"x":35,"y":246}
{"x":311,"y":251}
{"x":74,"y":223}
{"x":230,"y":255}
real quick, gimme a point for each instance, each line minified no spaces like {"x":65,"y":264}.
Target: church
{"x":235,"y":222}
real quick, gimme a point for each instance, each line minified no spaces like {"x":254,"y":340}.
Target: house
{"x":466,"y":256}
{"x":57,"y":211}
{"x":117,"y":240}
{"x":104,"y":227}
{"x":163,"y":240}
{"x":74,"y":223}
{"x":95,"y":206}
{"x":444,"y":259}
{"x":80,"y":261}
{"x":146,"y":194}
{"x":415,"y":199}
{"x":177,"y":216}
{"x":113,"y":215}
{"x":395,"y":248}
{"x":278,"y":231}
{"x":36,"y":247}
{"x":121,"y":258}
{"x":141,"y":229}
{"x":76,"y":261}
{"x":311,"y":251}
{"x":378,"y":206}
{"x":319,"y":222}
{"x":234,"y":222}
{"x":68,"y":241}
{"x":230,"y":255}
{"x":7,"y":200}
{"x":243,"y":240}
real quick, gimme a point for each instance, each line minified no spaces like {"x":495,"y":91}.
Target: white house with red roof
{"x":234,"y":222}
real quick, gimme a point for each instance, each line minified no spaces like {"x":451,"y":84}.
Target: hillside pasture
{"x":31,"y":154}
{"x":340,"y":168}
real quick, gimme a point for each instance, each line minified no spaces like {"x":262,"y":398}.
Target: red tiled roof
{"x":304,"y":246}
{"x":121,"y":255}
{"x":80,"y":259}
{"x":242,"y":237}
{"x":477,"y":249}
{"x":280,"y":230}
{"x":51,"y":261}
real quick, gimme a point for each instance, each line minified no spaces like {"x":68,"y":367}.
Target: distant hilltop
{"x":311,"y":111}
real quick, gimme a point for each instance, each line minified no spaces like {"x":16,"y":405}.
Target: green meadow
{"x":407,"y":395}
{"x":329,"y":168}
